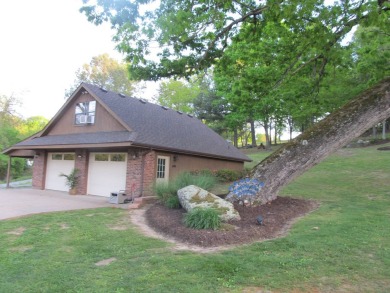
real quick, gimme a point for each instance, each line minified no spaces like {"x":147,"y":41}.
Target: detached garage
{"x":121,"y":143}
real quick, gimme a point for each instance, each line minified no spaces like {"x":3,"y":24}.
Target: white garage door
{"x":58,"y":163}
{"x":106,"y":173}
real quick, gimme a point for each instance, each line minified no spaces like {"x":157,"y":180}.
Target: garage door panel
{"x":58,"y":163}
{"x":106,"y":173}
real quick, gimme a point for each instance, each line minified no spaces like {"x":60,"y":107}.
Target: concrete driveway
{"x":25,"y":201}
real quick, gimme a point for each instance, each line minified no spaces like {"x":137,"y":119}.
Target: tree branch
{"x":228,"y":28}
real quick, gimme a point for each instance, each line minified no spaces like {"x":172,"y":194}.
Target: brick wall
{"x":133,"y":174}
{"x":149,"y":177}
{"x":140,"y":173}
{"x":81,"y":163}
{"x":38,"y":171}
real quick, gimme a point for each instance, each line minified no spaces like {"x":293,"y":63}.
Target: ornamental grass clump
{"x":165,"y":191}
{"x":173,"y":202}
{"x":203,"y":218}
{"x":205,"y":181}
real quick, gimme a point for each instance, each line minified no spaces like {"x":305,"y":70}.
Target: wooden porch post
{"x":8,"y":172}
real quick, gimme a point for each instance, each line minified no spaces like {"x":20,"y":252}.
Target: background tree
{"x":178,"y":95}
{"x":105,"y":72}
{"x":31,"y":125}
{"x":371,"y":51}
{"x":13,"y":128}
{"x":210,"y":107}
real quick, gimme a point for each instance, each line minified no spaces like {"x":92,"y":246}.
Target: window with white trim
{"x":160,"y":168}
{"x":85,"y":113}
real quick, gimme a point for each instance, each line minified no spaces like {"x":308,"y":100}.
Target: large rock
{"x":192,"y":196}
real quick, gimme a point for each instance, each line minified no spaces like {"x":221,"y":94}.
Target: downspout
{"x":8,"y":172}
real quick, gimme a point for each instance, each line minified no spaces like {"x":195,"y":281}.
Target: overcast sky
{"x":43,"y":43}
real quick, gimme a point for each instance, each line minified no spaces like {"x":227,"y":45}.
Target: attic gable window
{"x":85,"y":113}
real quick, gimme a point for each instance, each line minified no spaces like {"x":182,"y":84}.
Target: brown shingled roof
{"x":152,"y":126}
{"x":164,"y":128}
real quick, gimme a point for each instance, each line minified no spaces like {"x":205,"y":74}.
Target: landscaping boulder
{"x":192,"y":196}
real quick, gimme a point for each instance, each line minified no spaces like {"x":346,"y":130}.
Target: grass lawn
{"x":344,"y":246}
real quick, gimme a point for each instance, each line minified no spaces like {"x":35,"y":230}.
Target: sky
{"x":43,"y":43}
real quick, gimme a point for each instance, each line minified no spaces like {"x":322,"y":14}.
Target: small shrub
{"x":226,"y":175}
{"x":203,"y":218}
{"x":205,"y":172}
{"x":71,"y":179}
{"x":172,"y":202}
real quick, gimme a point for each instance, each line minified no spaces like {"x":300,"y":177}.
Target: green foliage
{"x":226,"y":175}
{"x":195,"y":34}
{"x":204,"y":181}
{"x":72,"y":179}
{"x":371,"y":47}
{"x":172,"y":202}
{"x":223,"y":175}
{"x":18,"y":167}
{"x":273,"y":62}
{"x":13,"y":129}
{"x":203,"y":218}
{"x":178,"y":95}
{"x":32,"y":125}
{"x":167,"y":193}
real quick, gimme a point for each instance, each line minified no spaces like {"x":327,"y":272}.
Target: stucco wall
{"x":191,"y":163}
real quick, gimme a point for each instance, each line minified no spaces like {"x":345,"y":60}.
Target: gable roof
{"x":149,"y":125}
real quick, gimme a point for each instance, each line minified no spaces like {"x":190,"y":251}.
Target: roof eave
{"x":180,"y":151}
{"x":71,"y":146}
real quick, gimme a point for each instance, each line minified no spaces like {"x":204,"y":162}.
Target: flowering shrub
{"x":244,"y":191}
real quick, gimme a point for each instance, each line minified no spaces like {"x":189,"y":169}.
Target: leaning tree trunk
{"x":324,"y":138}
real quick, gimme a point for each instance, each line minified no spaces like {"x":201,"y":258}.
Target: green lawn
{"x":344,"y":246}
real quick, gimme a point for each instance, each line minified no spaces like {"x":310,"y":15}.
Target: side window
{"x":69,"y":157}
{"x":160,"y":168}
{"x":101,"y":157}
{"x":56,"y":156}
{"x":118,"y":157}
{"x":85,"y":113}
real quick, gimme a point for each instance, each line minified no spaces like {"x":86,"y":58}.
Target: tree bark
{"x":384,"y":129}
{"x":276,"y":135}
{"x":235,"y":137}
{"x":267,"y":140}
{"x":322,"y":139}
{"x":253,"y":132}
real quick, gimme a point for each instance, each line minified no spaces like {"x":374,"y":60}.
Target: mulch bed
{"x":278,"y":216}
{"x":384,"y":148}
